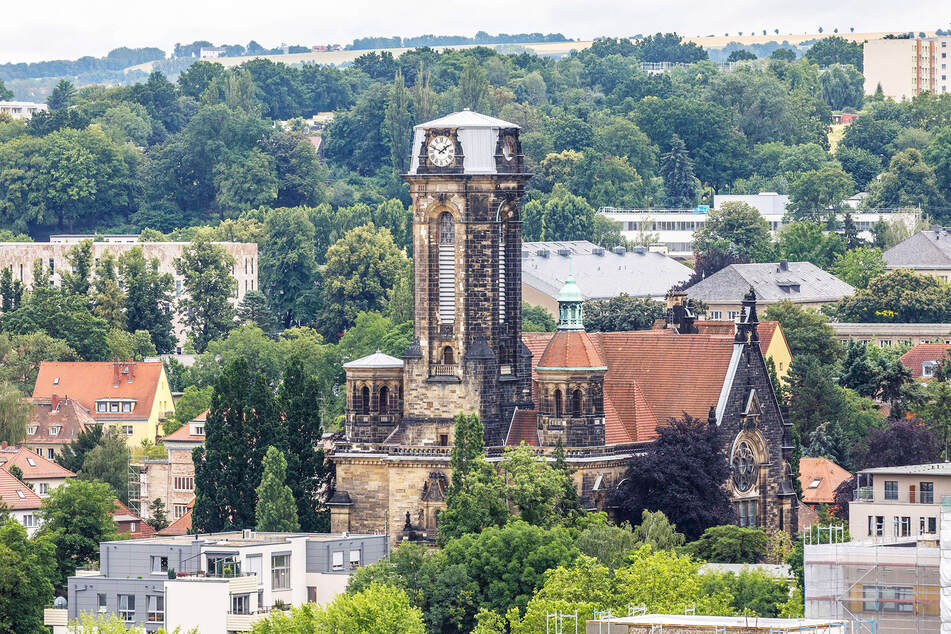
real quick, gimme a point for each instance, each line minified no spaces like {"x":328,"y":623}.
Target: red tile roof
{"x":524,"y":428}
{"x":653,"y":376}
{"x":89,"y":381}
{"x":184,"y":433}
{"x":571,"y":349}
{"x":17,"y":495}
{"x":181,"y":526}
{"x":70,"y":415}
{"x":33,"y":466}
{"x":829,"y":476}
{"x":123,"y":517}
{"x":921,"y":353}
{"x":766,"y":330}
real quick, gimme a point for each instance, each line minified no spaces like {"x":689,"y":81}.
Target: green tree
{"x":473,"y":85}
{"x":908,"y":182}
{"x":76,"y":517}
{"x":754,"y":592}
{"x":740,"y":55}
{"x":148,"y":295}
{"x":242,"y":422}
{"x":658,"y":532}
{"x":900,"y":296}
{"x":76,"y":281}
{"x":108,"y":300}
{"x":63,"y":95}
{"x":622,"y":313}
{"x":158,"y":519}
{"x":361,"y":268}
{"x":23,"y":354}
{"x":74,"y":452}
{"x":807,"y":332}
{"x":194,"y":401}
{"x":209,"y":287}
{"x":859,"y":266}
{"x":254,"y":309}
{"x":537,"y":319}
{"x":730,"y":545}
{"x":26,"y":570}
{"x":276,"y":510}
{"x":607,"y":543}
{"x":842,"y":86}
{"x":564,"y":216}
{"x":938,"y":156}
{"x":681,"y":187}
{"x":128,"y":345}
{"x":108,"y":462}
{"x":398,"y":123}
{"x":246,"y":183}
{"x":5,"y":93}
{"x":379,"y":609}
{"x":860,"y":164}
{"x":806,"y":241}
{"x":818,"y":193}
{"x":738,"y":230}
{"x":15,"y":413}
{"x":288,"y":265}
{"x":835,"y":50}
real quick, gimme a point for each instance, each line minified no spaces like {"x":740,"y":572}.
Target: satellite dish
{"x":60,"y":603}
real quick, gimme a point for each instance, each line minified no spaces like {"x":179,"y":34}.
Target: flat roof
{"x":237,"y":539}
{"x":789,"y":625}
{"x":935,"y":468}
{"x":853,"y":328}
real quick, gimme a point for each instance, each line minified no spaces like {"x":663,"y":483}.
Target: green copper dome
{"x":570,"y":299}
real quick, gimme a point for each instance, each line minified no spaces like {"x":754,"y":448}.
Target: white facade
{"x":909,"y":67}
{"x":22,"y":109}
{"x":674,"y":228}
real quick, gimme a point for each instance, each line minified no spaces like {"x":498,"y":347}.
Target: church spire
{"x":570,"y":299}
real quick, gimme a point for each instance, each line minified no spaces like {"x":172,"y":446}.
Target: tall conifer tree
{"x":275,"y":511}
{"x":680,"y":185}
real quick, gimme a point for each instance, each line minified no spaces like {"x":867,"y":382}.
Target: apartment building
{"x":21,"y":109}
{"x":899,"y":503}
{"x":888,"y":334}
{"x":908,"y":67}
{"x":673,"y":229}
{"x":217,"y":583}
{"x":20,"y":256}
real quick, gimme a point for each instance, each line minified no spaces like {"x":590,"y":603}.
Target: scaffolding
{"x":880,"y":589}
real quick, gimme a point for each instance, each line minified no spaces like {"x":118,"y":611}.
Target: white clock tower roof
{"x":478,"y":135}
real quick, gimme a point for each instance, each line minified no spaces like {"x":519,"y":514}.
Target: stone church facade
{"x":601,"y":394}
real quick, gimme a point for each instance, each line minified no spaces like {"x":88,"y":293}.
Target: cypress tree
{"x":275,"y":510}
{"x":680,"y":185}
{"x":469,"y":442}
{"x":299,"y":398}
{"x":6,"y":290}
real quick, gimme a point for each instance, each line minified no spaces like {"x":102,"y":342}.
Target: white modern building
{"x":22,"y":109}
{"x":905,"y":68}
{"x":218,"y":583}
{"x":673,"y":229}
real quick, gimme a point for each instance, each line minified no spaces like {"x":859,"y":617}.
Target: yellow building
{"x":772,"y":341}
{"x":128,"y":397}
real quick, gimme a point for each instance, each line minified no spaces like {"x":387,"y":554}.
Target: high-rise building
{"x":905,"y":68}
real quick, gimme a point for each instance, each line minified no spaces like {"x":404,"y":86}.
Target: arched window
{"x":447,"y":357}
{"x":384,"y":400}
{"x":447,"y":269}
{"x":576,"y":403}
{"x":558,"y":408}
{"x":365,"y":400}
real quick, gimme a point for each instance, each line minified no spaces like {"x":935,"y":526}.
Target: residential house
{"x":802,"y":283}
{"x":56,"y":422}
{"x":899,"y":503}
{"x":818,"y":479}
{"x":128,"y":524}
{"x":22,"y":503}
{"x":128,"y":397}
{"x":890,"y":334}
{"x":172,"y":479}
{"x":218,"y":583}
{"x":924,"y":359}
{"x":183,"y":525}
{"x":22,"y":109}
{"x":40,"y":474}
{"x":599,"y":273}
{"x":926,"y":252}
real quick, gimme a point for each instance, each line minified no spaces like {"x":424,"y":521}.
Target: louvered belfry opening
{"x":447,"y":269}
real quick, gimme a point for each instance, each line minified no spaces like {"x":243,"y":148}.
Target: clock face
{"x":508,"y":148}
{"x":441,"y":151}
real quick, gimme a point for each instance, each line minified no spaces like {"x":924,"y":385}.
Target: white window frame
{"x":126,"y":612}
{"x":280,"y":571}
{"x":179,"y":510}
{"x":155,"y":608}
{"x":354,"y":559}
{"x":336,"y":560}
{"x":160,"y":570}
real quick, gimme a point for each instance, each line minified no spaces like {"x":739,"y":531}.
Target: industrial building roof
{"x":600,"y":273}
{"x":798,"y":282}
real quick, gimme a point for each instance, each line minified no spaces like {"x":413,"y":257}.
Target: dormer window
{"x":124,"y":406}
{"x":927,"y":368}
{"x":31,"y":429}
{"x":198,"y":429}
{"x":55,"y":429}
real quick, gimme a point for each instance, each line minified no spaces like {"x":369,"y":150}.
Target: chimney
{"x":3,"y":445}
{"x":116,"y":372}
{"x":783,"y":265}
{"x":130,"y":368}
{"x":54,"y":402}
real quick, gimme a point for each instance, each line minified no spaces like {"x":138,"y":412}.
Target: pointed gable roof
{"x":375,"y":361}
{"x":466,"y":119}
{"x":923,"y":353}
{"x":89,"y":381}
{"x":819,"y":478}
{"x":17,"y":495}
{"x":33,"y":465}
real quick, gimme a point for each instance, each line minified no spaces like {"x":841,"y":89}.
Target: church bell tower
{"x":467,"y":180}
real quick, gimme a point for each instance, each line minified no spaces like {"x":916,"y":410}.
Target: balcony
{"x":448,"y":372}
{"x":243,"y":622}
{"x":53,"y":617}
{"x":869,"y":496}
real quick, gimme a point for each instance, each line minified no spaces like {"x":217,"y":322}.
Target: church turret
{"x":571,"y":379}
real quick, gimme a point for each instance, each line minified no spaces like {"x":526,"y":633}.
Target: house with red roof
{"x":924,"y":359}
{"x":41,"y":474}
{"x":130,"y":398}
{"x":130,"y":525}
{"x":56,"y":422}
{"x":172,"y":479}
{"x":22,"y":503}
{"x":819,"y":478}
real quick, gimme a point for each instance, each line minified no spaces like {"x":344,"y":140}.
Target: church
{"x":601,"y":394}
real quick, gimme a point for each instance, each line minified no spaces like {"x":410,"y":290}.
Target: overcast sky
{"x":57,"y":29}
